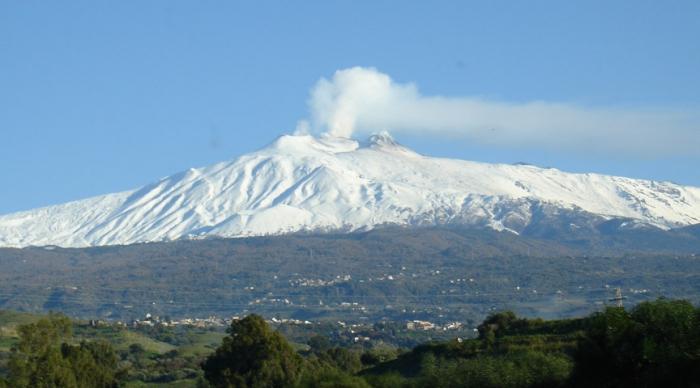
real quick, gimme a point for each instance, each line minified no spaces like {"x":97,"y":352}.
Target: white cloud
{"x":362,"y":100}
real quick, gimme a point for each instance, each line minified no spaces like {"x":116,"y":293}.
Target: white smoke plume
{"x":361,"y":100}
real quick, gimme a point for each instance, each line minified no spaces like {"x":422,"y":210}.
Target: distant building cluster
{"x":212,"y":321}
{"x":427,"y":325}
{"x":304,"y":282}
{"x":154,"y":320}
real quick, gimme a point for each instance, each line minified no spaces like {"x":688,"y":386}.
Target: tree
{"x":653,"y":345}
{"x":253,"y":355}
{"x":44,"y":358}
{"x":497,"y":323}
{"x":319,"y":343}
{"x":36,"y":360}
{"x":94,"y":364}
{"x":343,"y":359}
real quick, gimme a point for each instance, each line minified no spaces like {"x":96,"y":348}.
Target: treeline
{"x":654,"y":344}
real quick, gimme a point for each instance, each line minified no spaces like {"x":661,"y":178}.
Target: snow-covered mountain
{"x":306,"y":183}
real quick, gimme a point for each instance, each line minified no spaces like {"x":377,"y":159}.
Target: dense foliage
{"x":654,"y":344}
{"x":253,"y":355}
{"x":44,"y":357}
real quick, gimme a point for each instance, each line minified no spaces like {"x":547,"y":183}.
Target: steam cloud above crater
{"x":360,"y":100}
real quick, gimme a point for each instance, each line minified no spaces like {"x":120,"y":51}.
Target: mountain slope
{"x":303,"y":183}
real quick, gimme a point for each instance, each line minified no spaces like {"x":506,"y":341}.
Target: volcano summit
{"x":319,"y":184}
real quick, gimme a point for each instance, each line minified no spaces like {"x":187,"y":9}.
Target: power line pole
{"x":618,"y":297}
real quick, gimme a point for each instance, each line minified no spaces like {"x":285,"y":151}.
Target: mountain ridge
{"x":306,"y":183}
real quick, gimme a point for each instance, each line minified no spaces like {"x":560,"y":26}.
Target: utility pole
{"x":618,"y":297}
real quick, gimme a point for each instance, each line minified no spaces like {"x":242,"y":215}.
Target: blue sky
{"x":97,"y":97}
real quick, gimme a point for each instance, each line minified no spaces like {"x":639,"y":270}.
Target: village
{"x":217,"y":322}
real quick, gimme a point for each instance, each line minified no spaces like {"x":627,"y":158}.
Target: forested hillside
{"x":654,"y":344}
{"x":444,"y":274}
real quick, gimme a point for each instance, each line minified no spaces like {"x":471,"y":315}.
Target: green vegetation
{"x":457,"y":273}
{"x":654,"y":344}
{"x":45,"y":357}
{"x":253,"y":355}
{"x":9,"y":321}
